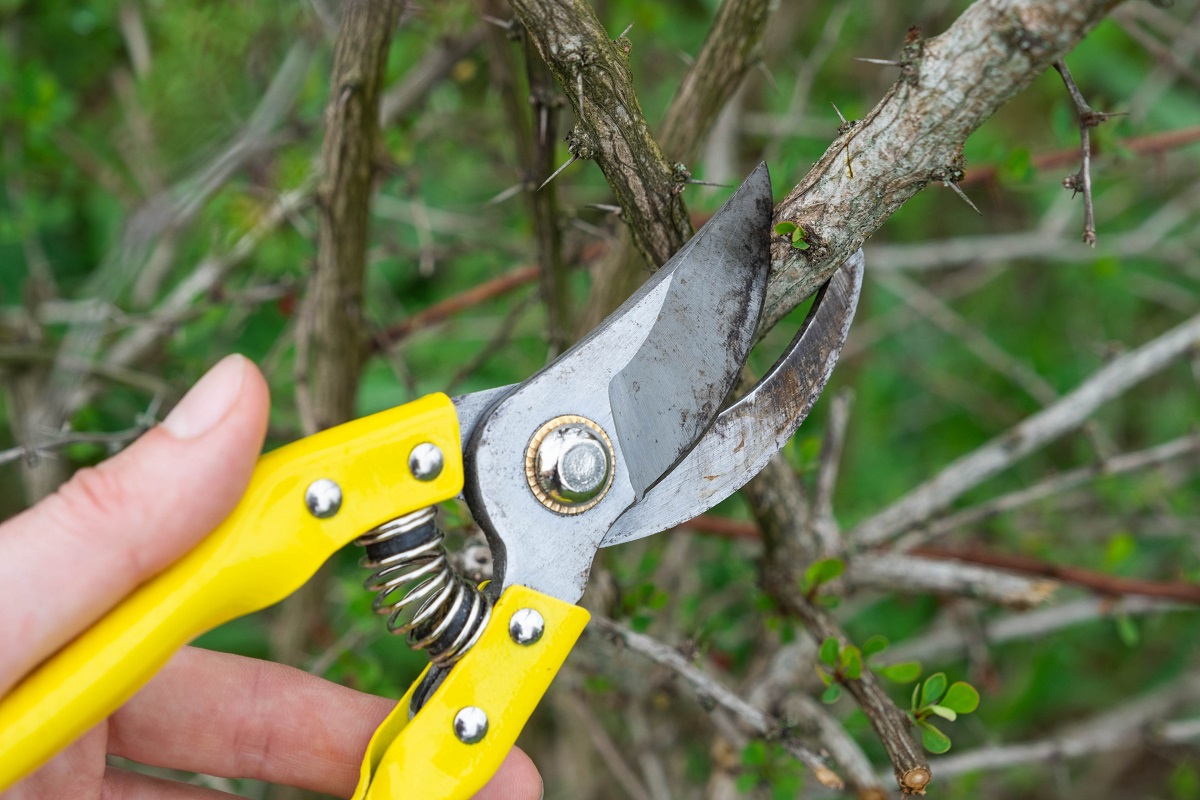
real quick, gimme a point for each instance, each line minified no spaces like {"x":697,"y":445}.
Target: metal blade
{"x":706,"y":298}
{"x":669,"y":393}
{"x":747,"y":434}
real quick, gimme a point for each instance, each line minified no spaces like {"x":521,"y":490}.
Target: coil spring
{"x":411,"y":566}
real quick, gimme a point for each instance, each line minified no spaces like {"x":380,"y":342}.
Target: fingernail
{"x":208,"y":401}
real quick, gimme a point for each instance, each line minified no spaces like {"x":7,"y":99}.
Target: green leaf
{"x":943,"y":712}
{"x":825,"y":677}
{"x":876,"y":644}
{"x":934,"y":688}
{"x":755,"y":754}
{"x":786,"y":228}
{"x":823,"y":571}
{"x":904,"y":672}
{"x":916,"y":698}
{"x":831,"y":694}
{"x":799,"y":245}
{"x":1127,"y":630}
{"x":934,"y":740}
{"x":851,"y":662}
{"x":829,"y":651}
{"x":746,"y":782}
{"x":962,"y":697}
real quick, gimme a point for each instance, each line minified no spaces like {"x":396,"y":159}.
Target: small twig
{"x":754,"y":718}
{"x":114,"y":440}
{"x":1081,"y":181}
{"x":431,"y":315}
{"x":618,"y":767}
{"x":1057,"y":484}
{"x":495,"y":345}
{"x":945,"y":573}
{"x":827,"y":472}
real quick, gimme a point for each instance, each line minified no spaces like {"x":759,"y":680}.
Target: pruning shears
{"x":626,"y":434}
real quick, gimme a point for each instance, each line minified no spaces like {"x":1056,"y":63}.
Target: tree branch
{"x":915,"y":135}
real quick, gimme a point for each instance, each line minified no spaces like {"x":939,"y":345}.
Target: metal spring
{"x":411,"y":566}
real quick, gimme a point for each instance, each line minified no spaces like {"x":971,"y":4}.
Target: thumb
{"x":112,"y":527}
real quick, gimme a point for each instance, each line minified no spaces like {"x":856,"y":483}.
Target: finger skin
{"x":73,"y":556}
{"x":242,"y":718}
{"x":121,"y":784}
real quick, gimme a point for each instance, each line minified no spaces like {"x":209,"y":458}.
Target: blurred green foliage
{"x":93,"y":146}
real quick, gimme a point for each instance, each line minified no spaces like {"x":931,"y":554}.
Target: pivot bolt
{"x":569,"y":464}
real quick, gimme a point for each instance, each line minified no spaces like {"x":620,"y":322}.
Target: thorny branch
{"x":1081,"y":181}
{"x":753,"y":718}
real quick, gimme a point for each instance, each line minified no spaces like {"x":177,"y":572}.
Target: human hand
{"x":112,"y":527}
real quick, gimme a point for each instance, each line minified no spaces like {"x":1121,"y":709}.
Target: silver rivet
{"x":526,"y":626}
{"x":323,"y":498}
{"x":470,"y":725}
{"x":425,"y":461}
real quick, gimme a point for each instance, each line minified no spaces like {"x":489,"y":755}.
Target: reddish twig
{"x":437,"y":312}
{"x":1150,"y":145}
{"x":1099,"y":582}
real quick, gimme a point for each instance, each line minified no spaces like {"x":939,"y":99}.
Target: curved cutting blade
{"x":653,"y":375}
{"x":747,"y":434}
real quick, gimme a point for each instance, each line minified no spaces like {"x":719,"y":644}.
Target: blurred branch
{"x":824,"y":523}
{"x":1114,"y":585}
{"x":1068,"y":413}
{"x":946,"y":573}
{"x":947,"y":642}
{"x":1057,"y":484}
{"x":753,"y":718}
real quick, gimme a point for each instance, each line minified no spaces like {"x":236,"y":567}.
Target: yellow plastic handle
{"x":267,"y":548}
{"x":423,"y":757}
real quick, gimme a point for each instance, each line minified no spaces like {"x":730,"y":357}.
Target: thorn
{"x":963,"y":195}
{"x":499,"y":23}
{"x":766,"y":71}
{"x":511,"y":191}
{"x":570,"y":161}
{"x":628,"y":28}
{"x":605,"y":207}
{"x":838,"y":111}
{"x":885,"y":62}
{"x":709,"y":183}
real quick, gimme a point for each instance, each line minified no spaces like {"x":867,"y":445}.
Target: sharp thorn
{"x":964,"y":197}
{"x":839,"y":113}
{"x":628,"y":28}
{"x":766,"y":71}
{"x":515,"y":189}
{"x":709,"y":183}
{"x":885,"y":62}
{"x":499,"y":23}
{"x":606,"y":207}
{"x":554,"y":175}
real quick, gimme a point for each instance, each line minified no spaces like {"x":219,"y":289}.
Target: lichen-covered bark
{"x":915,"y":135}
{"x":593,"y":71}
